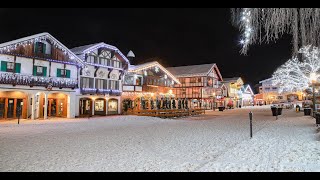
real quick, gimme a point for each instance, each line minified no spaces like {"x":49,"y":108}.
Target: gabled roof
{"x":246,"y":88}
{"x":39,"y":37}
{"x":269,"y":79}
{"x":194,"y":70}
{"x":82,"y":50}
{"x":140,"y":67}
{"x":233,"y":79}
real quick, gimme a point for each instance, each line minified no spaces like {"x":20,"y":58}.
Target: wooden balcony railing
{"x":30,"y":80}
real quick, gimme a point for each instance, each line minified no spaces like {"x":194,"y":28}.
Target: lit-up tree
{"x":295,"y":75}
{"x":269,"y":24}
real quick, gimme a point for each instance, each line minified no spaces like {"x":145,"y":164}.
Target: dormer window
{"x":42,"y":48}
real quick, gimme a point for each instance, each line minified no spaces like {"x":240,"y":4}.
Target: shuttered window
{"x":10,"y":67}
{"x":39,"y":71}
{"x":64,"y":73}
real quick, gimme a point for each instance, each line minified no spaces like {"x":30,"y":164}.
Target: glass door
{"x":10,"y":108}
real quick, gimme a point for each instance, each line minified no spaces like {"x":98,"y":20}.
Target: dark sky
{"x":177,"y":36}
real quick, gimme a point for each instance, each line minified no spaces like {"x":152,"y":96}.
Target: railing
{"x":30,"y":80}
{"x":100,"y":91}
{"x":167,"y":113}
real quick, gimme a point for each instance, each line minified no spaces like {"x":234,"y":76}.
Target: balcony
{"x":30,"y":80}
{"x":100,"y":91}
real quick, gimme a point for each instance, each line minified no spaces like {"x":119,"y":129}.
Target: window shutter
{"x":36,"y":47}
{"x":44,"y":70}
{"x":68,"y":75}
{"x":4,"y":66}
{"x":58,"y":72}
{"x":91,"y":83}
{"x":81,"y":82}
{"x":117,"y":85}
{"x":35,"y":70}
{"x":17,"y":68}
{"x":44,"y":48}
{"x":97,"y":85}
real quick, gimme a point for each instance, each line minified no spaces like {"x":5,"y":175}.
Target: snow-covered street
{"x":216,"y":141}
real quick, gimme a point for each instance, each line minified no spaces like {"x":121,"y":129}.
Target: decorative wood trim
{"x":110,"y":70}
{"x":95,"y":72}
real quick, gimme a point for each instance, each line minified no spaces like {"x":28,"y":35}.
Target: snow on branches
{"x":269,"y":24}
{"x":296,"y":75}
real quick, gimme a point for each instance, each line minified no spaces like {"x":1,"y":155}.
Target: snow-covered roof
{"x":82,"y":50}
{"x":233,"y":79}
{"x":38,"y":37}
{"x":140,"y":67}
{"x":194,"y":70}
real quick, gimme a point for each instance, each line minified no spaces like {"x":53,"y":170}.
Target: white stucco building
{"x":38,"y":78}
{"x":101,"y":80}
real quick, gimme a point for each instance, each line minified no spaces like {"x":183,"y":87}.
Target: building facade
{"x":234,"y":86}
{"x":148,"y":86}
{"x":39,"y":78}
{"x":271,"y":95}
{"x":199,"y":85}
{"x":100,"y":80}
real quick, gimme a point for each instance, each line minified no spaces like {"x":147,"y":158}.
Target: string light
{"x":43,"y":37}
{"x":156,"y":66}
{"x":295,"y":75}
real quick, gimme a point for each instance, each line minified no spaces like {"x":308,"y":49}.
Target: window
{"x":103,"y":61}
{"x":91,"y":59}
{"x":40,"y":48}
{"x":182,"y":80}
{"x":138,"y":81}
{"x":65,"y":73}
{"x":39,"y":71}
{"x":99,"y":84}
{"x":10,"y":66}
{"x":113,"y":85}
{"x":86,"y":82}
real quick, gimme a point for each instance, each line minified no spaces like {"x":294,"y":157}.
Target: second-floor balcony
{"x":100,"y":91}
{"x":30,"y":80}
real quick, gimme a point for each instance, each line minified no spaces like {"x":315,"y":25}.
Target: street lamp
{"x":313,"y":80}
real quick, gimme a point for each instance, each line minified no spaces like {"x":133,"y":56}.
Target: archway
{"x":113,"y":106}
{"x":100,"y":105}
{"x":85,"y":107}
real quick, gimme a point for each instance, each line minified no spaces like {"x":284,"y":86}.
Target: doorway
{"x":85,"y":107}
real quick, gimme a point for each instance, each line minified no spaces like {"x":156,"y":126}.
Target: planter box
{"x":307,"y":111}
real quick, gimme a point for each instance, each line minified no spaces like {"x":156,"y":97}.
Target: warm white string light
{"x":295,"y":75}
{"x":269,"y":24}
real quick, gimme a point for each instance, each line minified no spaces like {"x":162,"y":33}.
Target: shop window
{"x":99,"y":105}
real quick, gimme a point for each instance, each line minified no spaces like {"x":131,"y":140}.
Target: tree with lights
{"x":269,"y":24}
{"x":296,"y":75}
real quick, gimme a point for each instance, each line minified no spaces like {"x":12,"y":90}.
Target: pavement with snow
{"x":216,"y":141}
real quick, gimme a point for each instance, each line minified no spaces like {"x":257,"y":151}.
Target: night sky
{"x":177,"y":36}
